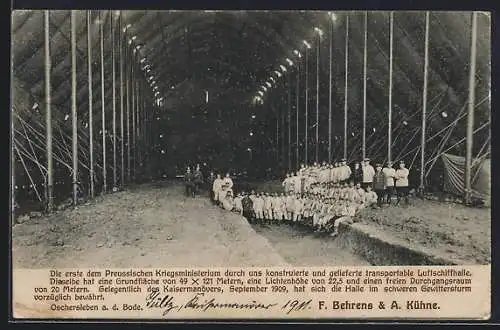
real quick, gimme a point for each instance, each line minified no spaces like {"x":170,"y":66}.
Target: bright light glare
{"x":269,"y":84}
{"x":332,"y":16}
{"x":277,"y":73}
{"x":143,"y":60}
{"x":251,"y":133}
{"x":272,"y":79}
{"x":297,"y":53}
{"x":289,"y":61}
{"x":261,"y":93}
{"x":307,"y":44}
{"x":264,"y":88}
{"x":134,"y":37}
{"x":253,"y":116}
{"x":444,"y":114}
{"x":283,"y":68}
{"x":320,"y":32}
{"x":66,"y":117}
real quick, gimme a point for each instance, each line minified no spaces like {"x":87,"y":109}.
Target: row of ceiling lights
{"x":145,"y":66}
{"x":271,"y":81}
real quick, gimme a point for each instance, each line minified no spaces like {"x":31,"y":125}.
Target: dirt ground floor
{"x":155,"y":225}
{"x":451,"y":230}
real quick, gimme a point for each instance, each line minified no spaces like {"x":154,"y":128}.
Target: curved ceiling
{"x":231,"y":54}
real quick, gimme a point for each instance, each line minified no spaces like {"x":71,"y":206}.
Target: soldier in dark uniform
{"x":189,"y":181}
{"x":210,"y":183}
{"x":198,"y":179}
{"x":248,"y":208}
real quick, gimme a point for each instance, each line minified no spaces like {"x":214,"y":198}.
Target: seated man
{"x":371,"y":197}
{"x":227,"y":202}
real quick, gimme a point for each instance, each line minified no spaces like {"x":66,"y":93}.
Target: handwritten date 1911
{"x":295,"y":306}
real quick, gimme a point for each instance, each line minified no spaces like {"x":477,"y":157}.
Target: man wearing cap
{"x":357,"y":173}
{"x":258,"y":207}
{"x":268,"y":207}
{"x":379,"y":184}
{"x":402,"y":183}
{"x":368,"y":173}
{"x":216,"y":188}
{"x":247,"y":207}
{"x":237,"y":204}
{"x":390,"y":173}
{"x":346,"y":170}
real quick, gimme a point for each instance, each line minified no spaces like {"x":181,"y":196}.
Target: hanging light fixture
{"x":319,"y":31}
{"x":269,"y":84}
{"x":289,"y":61}
{"x":277,"y":73}
{"x":307,"y":44}
{"x":283,"y":68}
{"x":297,"y":53}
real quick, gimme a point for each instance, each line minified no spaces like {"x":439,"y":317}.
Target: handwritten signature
{"x":200,"y":303}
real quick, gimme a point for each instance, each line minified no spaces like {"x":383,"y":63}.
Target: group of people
{"x":194,"y":180}
{"x":320,"y":196}
{"x":386,"y":182}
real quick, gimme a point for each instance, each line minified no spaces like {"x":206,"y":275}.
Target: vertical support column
{"x":345,"y":82}
{"x":122,"y":136}
{"x":317,"y":97}
{"x":128,"y":79}
{"x":424,"y":105}
{"x":389,"y":114}
{"x":74,"y":116}
{"x":289,"y":85}
{"x":365,"y":52}
{"x":297,"y":105}
{"x":134,"y":119}
{"x":90,"y":90}
{"x":470,"y":112}
{"x":48,"y":113}
{"x":306,"y":139}
{"x":113,"y":60}
{"x":103,"y":112}
{"x":12,"y":171}
{"x":330,"y":58}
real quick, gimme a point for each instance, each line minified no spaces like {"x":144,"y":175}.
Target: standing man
{"x":247,"y":205}
{"x":402,"y":184}
{"x":390,"y":173}
{"x":210,"y":183}
{"x":368,"y":173}
{"x":227,"y":184}
{"x":216,"y":188}
{"x":357,"y":173}
{"x":379,"y":184}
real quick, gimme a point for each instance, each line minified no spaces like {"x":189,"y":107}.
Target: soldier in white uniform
{"x":278,"y":205}
{"x":268,"y":207}
{"x":402,"y":183}
{"x":216,"y":188}
{"x":238,"y":206}
{"x":227,"y":184}
{"x":258,"y":207}
{"x":298,"y":205}
{"x":368,"y":173}
{"x":346,"y":170}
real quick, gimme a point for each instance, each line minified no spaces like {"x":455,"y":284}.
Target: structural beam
{"x":74,"y":115}
{"x":48,"y":112}
{"x":365,"y":60}
{"x":346,"y":73}
{"x":424,"y":105}
{"x":91,"y":116}
{"x":113,"y":69}
{"x":389,"y":113}
{"x":470,"y":112}
{"x":306,"y":139}
{"x":317,"y":96}
{"x":103,"y":109}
